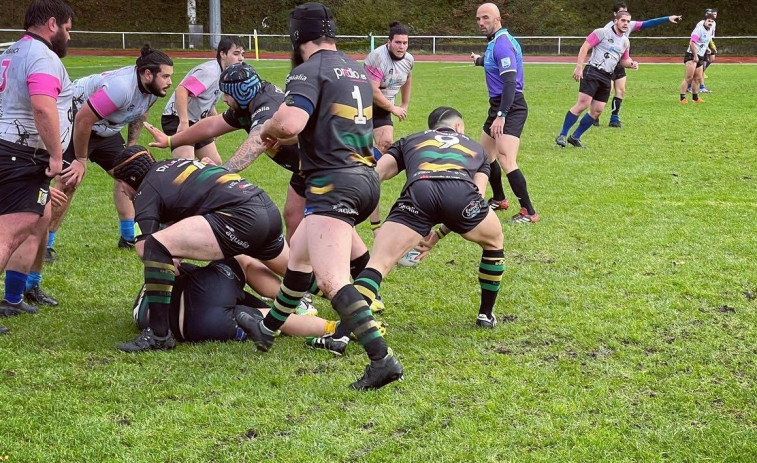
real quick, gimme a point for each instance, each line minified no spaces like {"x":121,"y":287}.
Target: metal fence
{"x":421,"y":44}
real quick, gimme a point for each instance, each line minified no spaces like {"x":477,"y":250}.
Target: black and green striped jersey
{"x":439,"y":154}
{"x":339,"y":133}
{"x":179,"y":188}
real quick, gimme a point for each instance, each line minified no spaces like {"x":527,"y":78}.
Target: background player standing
{"x":35,"y":128}
{"x":196,"y":96}
{"x":695,"y":58}
{"x":619,"y":74}
{"x":608,"y":48}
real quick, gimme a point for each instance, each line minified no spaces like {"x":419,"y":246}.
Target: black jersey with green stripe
{"x":180,"y":188}
{"x":439,"y":154}
{"x":263,"y":107}
{"x":339,"y":133}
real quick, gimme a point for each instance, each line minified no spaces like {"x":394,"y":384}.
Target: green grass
{"x":630,"y":308}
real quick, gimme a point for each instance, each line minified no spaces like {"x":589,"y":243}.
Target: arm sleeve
{"x":147,"y":211}
{"x":486,"y":167}
{"x":649,"y":23}
{"x":508,"y":91}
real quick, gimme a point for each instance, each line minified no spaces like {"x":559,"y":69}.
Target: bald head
{"x":488,"y":18}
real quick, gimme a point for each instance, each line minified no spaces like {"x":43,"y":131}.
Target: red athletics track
{"x":445,"y":58}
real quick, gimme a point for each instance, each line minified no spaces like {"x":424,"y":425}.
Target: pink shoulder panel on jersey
{"x":193,"y":85}
{"x":374,"y":73}
{"x":43,"y":84}
{"x":102,"y":103}
{"x":626,"y":54}
{"x":593,"y":39}
{"x":694,"y":38}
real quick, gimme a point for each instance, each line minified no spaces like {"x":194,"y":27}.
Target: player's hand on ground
{"x":400,"y":112}
{"x":161,"y":139}
{"x":54,"y":167}
{"x":675,"y":19}
{"x":577,"y":73}
{"x":497,"y":126}
{"x":57,"y":197}
{"x":74,"y":173}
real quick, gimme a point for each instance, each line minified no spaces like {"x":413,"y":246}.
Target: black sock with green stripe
{"x":357,"y":316}
{"x":367,"y":284}
{"x":490,"y":272}
{"x":159,"y":279}
{"x":292,"y":289}
{"x":358,"y":264}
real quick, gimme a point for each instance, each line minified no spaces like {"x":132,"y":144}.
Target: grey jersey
{"x":202,"y":84}
{"x":28,"y":68}
{"x":115,"y":97}
{"x":608,"y":49}
{"x":701,"y":38}
{"x":391,"y":74}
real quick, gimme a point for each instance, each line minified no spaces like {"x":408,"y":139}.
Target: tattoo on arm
{"x":135,"y":127}
{"x":250,"y":149}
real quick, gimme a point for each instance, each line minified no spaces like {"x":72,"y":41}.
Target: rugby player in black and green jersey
{"x":446,"y":173}
{"x":209,"y":214}
{"x":329,"y":108}
{"x":253,"y":101}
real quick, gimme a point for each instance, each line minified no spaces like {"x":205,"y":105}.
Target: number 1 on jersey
{"x":360,"y":118}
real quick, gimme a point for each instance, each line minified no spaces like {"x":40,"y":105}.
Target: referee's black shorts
{"x":515,"y":119}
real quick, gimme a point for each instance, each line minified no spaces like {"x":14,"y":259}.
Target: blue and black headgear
{"x":241,"y":82}
{"x":310,"y":21}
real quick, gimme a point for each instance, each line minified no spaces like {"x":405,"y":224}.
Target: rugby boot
{"x":575,"y":142}
{"x":379,"y":373}
{"x":524,"y":217}
{"x":560,"y":140}
{"x":252,"y":324}
{"x":614,"y":122}
{"x":7,"y":309}
{"x":336,"y":346}
{"x":486,"y":321}
{"x":123,"y":243}
{"x":49,"y":255}
{"x":496,"y":205}
{"x":37,"y":296}
{"x":4,"y":330}
{"x":147,"y":340}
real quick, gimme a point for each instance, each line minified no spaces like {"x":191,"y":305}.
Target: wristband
{"x":170,"y":146}
{"x":440,"y":233}
{"x":375,"y":225}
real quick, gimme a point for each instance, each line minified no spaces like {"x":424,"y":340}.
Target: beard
{"x":59,"y":44}
{"x":393,"y":56}
{"x":153,"y":88}
{"x":296,"y":58}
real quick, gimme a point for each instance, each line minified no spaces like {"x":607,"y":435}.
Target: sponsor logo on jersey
{"x":348,"y":73}
{"x":301,"y":77}
{"x":226,"y":270}
{"x":264,"y":108}
{"x":505,"y":62}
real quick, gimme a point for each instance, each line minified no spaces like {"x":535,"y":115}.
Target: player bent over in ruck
{"x":214,"y":214}
{"x":446,"y":173}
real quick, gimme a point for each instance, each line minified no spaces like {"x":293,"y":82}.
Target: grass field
{"x":630,"y":311}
